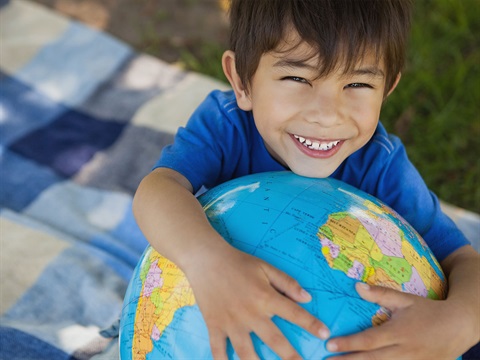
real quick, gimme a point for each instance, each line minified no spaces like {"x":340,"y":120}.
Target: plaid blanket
{"x":83,"y":118}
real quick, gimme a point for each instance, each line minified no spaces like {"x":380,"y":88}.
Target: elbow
{"x":138,"y":199}
{"x":154,"y":187}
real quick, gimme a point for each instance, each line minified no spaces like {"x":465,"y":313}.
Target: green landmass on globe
{"x":324,"y":233}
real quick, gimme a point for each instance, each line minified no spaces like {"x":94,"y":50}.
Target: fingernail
{"x":324,"y":334}
{"x":363,"y":286}
{"x":305,"y":294}
{"x":332,"y":347}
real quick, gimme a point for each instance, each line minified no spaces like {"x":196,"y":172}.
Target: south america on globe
{"x":324,"y":233}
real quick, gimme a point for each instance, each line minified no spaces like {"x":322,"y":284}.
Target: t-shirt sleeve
{"x":396,"y":181}
{"x":200,"y":149}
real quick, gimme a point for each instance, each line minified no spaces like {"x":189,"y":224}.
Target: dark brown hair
{"x":341,"y":32}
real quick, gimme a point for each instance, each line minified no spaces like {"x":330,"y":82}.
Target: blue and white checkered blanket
{"x":83,"y":118}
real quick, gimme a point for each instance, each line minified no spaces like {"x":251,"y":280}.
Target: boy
{"x":308,"y":80}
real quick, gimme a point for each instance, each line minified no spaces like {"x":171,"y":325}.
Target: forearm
{"x":171,"y":218}
{"x":463,"y":272}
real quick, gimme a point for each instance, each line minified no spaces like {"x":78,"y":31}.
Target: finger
{"x":389,"y":353}
{"x":294,"y":313}
{"x":389,"y":298}
{"x":218,"y":345}
{"x":370,"y":339}
{"x":286,"y":285}
{"x":276,"y":340}
{"x":243,"y":346}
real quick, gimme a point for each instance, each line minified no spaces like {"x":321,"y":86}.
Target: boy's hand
{"x":418,"y":329}
{"x":239,"y":294}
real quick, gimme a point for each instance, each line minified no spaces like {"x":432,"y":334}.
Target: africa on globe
{"x":324,"y":233}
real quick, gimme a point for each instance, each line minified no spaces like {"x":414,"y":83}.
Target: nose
{"x":324,"y":108}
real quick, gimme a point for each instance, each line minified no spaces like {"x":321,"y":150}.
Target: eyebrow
{"x":293,"y":63}
{"x":369,"y":70}
{"x":302,"y":64}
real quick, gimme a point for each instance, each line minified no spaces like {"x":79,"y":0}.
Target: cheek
{"x":268,"y":113}
{"x":367,"y":130}
{"x":370,"y":130}
{"x":363,"y":105}
{"x":281,"y":97}
{"x":367,"y":113}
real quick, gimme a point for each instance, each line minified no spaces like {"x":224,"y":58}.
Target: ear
{"x":228,"y":64}
{"x":397,"y":80}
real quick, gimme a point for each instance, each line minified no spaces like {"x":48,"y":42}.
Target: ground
{"x":164,"y":28}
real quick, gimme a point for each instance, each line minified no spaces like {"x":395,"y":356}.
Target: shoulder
{"x":219,"y":114}
{"x":208,"y":148}
{"x":222,"y":105}
{"x":225,"y":100}
{"x":222,"y":101}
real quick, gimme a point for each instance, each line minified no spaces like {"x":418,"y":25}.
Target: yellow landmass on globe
{"x":374,"y":208}
{"x":429,"y":277}
{"x":438,"y":285}
{"x":163,"y":294}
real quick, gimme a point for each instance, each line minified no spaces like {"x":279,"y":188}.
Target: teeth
{"x":315,"y":145}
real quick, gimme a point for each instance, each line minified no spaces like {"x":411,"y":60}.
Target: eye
{"x":359,"y":85}
{"x":296,"y":79}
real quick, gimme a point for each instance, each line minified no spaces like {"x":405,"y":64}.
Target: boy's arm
{"x":422,"y":328}
{"x":237,"y":293}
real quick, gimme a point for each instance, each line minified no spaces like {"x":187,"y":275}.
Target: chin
{"x":312,"y":173}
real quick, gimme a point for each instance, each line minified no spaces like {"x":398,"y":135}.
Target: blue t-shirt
{"x":221,"y":142}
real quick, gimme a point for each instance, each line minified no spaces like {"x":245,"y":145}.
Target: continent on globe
{"x":371,"y":249}
{"x":165,"y":289}
{"x":324,"y":233}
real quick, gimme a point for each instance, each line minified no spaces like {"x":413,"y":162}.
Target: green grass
{"x":436,"y":107}
{"x":207,"y":60}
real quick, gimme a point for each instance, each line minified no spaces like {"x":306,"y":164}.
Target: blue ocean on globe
{"x":324,"y":233}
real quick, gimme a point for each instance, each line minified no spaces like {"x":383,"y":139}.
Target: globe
{"x":322,"y":232}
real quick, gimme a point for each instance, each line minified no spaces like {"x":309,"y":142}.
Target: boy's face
{"x":310,"y":124}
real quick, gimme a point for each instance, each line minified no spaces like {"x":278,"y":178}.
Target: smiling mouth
{"x":315,"y":144}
